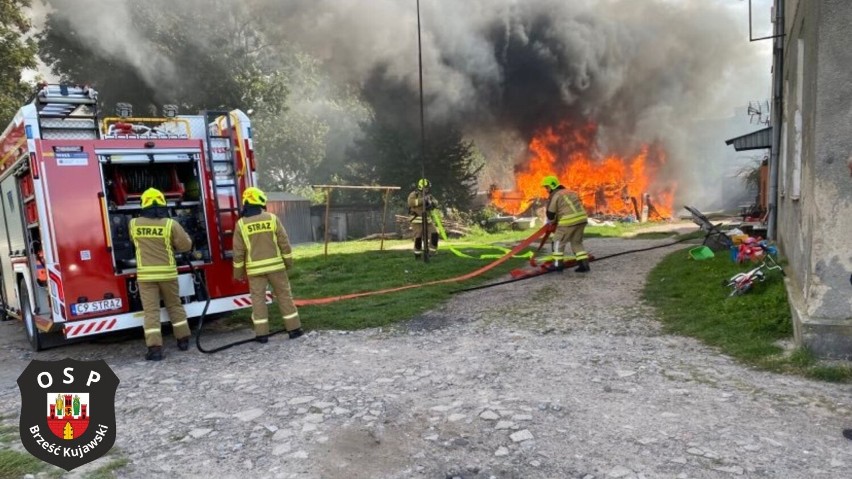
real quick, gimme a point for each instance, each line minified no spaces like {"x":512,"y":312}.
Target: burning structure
{"x":610,"y":185}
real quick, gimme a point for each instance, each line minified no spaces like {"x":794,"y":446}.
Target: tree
{"x":289,"y":147}
{"x":296,"y":148}
{"x":751,"y":177}
{"x":17,"y":53}
{"x":453,"y":165}
{"x":389,"y":154}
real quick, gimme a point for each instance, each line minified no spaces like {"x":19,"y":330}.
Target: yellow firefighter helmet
{"x":254,"y":196}
{"x":153,"y":197}
{"x":423,"y":183}
{"x":550,"y":181}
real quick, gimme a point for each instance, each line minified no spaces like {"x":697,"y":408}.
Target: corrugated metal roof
{"x":283,"y":196}
{"x":756,"y":140}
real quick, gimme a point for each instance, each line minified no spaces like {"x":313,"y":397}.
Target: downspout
{"x":776,"y":116}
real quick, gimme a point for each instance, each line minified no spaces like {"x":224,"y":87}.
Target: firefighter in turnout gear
{"x":566,"y":219}
{"x":157,"y":238}
{"x":262,"y":251}
{"x":416,"y":200}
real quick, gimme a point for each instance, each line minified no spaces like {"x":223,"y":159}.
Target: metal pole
{"x":327,"y":204}
{"x":424,"y":225}
{"x":384,"y":220}
{"x":777,"y":117}
{"x":749,"y":21}
{"x":422,"y":121}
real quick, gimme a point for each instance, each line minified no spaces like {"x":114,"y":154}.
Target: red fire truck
{"x":70,"y":182}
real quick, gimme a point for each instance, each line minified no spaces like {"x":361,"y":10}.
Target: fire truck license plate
{"x":95,"y":306}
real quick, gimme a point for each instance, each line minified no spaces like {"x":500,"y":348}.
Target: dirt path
{"x":561,"y":376}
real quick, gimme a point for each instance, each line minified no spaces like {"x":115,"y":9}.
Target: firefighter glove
{"x":183,"y":258}
{"x":288,"y":262}
{"x":239,"y":274}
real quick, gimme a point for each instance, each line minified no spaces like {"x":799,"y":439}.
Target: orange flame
{"x":608,"y":184}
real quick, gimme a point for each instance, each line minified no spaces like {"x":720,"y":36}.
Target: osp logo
{"x":68,"y":411}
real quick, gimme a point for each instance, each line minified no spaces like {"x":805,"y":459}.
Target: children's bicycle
{"x":741,"y":283}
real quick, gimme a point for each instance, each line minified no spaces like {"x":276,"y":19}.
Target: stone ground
{"x":562,"y":376}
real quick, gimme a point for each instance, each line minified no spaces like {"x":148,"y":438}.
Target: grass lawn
{"x":359,"y":266}
{"x":109,"y":470}
{"x":18,"y":464}
{"x":690,"y":300}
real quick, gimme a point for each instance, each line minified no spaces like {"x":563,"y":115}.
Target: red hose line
{"x":489,"y":266}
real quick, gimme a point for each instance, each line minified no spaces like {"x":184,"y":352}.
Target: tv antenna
{"x":758,"y":112}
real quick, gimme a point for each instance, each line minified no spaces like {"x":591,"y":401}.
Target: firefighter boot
{"x":155,"y":353}
{"x":584,"y":266}
{"x":295,"y":333}
{"x":263,"y":339}
{"x":418,"y":247}
{"x":183,"y":343}
{"x":434,"y":240}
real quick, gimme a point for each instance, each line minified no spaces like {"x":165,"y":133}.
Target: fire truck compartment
{"x":128,"y":174}
{"x":18,"y":243}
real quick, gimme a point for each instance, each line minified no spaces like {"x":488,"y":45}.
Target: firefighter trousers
{"x":260,"y":312}
{"x":573,"y":236}
{"x":417,"y":226}
{"x":150,"y":293}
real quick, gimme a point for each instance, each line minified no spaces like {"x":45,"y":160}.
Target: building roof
{"x":283,"y":196}
{"x":756,"y":140}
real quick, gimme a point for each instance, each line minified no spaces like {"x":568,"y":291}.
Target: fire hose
{"x":591,"y":259}
{"x":203,"y":283}
{"x":520,"y":247}
{"x":332,"y":299}
{"x":436,"y":218}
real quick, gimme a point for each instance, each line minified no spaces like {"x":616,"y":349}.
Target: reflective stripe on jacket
{"x":156,"y":240}
{"x":567,"y":207}
{"x":262,"y":245}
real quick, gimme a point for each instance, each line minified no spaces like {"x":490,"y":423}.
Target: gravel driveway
{"x":562,"y":376}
